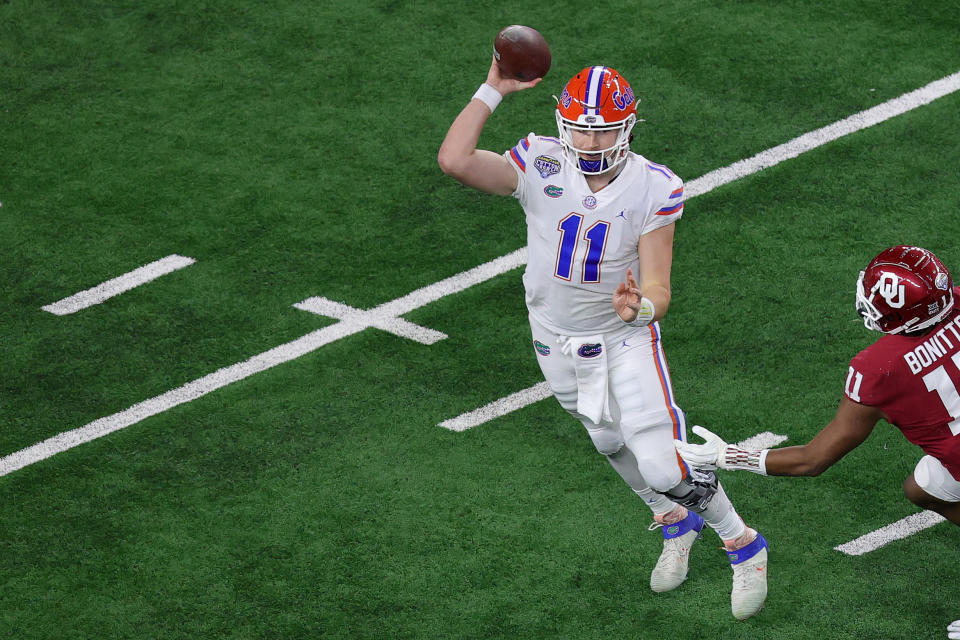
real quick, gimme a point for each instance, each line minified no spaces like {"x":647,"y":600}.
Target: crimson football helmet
{"x":904,"y":290}
{"x":597,"y":99}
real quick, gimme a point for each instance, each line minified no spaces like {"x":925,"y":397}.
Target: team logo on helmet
{"x":943,"y":281}
{"x":547,"y":166}
{"x":888,"y":286}
{"x":623,"y":100}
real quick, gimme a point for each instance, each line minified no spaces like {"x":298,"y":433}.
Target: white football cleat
{"x":674,"y":562}
{"x":749,"y":578}
{"x":953,"y":631}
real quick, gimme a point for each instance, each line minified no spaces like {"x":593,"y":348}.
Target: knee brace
{"x":607,"y":441}
{"x":695,"y":492}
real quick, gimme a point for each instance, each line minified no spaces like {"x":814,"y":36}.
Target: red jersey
{"x":914,"y":380}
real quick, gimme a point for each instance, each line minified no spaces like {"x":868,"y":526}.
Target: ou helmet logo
{"x":890,"y":288}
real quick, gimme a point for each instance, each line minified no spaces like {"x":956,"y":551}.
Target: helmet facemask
{"x":596,"y":99}
{"x":865,"y":308}
{"x":610,"y":157}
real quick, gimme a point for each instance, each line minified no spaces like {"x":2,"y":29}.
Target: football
{"x":521,"y":53}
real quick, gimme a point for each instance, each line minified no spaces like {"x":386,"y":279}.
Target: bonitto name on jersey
{"x":933,"y":348}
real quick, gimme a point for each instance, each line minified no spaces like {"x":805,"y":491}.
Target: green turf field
{"x":289,"y":148}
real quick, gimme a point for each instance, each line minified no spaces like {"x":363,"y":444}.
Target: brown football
{"x":521,"y":53}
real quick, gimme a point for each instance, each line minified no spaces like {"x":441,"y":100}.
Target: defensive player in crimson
{"x":600,"y":224}
{"x":910,"y":378}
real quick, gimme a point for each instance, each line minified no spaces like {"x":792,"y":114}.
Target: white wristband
{"x":644,"y":314}
{"x":736,"y":459}
{"x":488,"y":96}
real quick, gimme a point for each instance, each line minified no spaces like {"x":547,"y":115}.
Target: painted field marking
{"x":895,"y":531}
{"x":764,"y":440}
{"x":391,"y":324}
{"x":497,"y":408}
{"x":353,"y":322}
{"x":819,"y":137}
{"x":347,"y":327}
{"x":118,"y":285}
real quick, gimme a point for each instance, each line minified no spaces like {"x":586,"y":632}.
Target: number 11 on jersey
{"x":940,"y":381}
{"x":596,"y":238}
{"x":937,"y":380}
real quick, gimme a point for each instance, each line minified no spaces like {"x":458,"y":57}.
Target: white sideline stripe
{"x":814,"y":139}
{"x":414,"y":300}
{"x":498,"y":408}
{"x":261,"y":362}
{"x":895,"y":531}
{"x":118,"y":285}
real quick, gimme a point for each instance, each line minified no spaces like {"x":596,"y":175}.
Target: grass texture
{"x":290,"y":148}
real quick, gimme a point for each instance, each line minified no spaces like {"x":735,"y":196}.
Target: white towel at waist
{"x":590,"y":360}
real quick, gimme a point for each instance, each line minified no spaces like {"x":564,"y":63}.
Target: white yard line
{"x":763,"y":440}
{"x":884,"y":535}
{"x":118,"y":285}
{"x":352,"y":321}
{"x":355,"y":321}
{"x":498,"y":408}
{"x":814,"y":139}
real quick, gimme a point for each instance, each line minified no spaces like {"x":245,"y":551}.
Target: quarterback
{"x":909,"y":377}
{"x":600,"y":223}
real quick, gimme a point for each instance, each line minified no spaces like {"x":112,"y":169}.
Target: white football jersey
{"x":580,"y":243}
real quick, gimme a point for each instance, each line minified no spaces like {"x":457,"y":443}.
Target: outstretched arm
{"x":459,"y":157}
{"x":848,"y":429}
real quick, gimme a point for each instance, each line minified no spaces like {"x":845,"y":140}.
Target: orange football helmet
{"x":597,"y":98}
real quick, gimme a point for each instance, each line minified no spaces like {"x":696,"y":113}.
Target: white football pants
{"x":644,"y":415}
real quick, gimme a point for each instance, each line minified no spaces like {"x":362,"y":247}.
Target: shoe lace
{"x":746,"y":575}
{"x":674,"y":551}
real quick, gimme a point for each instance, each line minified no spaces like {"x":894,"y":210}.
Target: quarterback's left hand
{"x":702,"y":456}
{"x":629,"y":302}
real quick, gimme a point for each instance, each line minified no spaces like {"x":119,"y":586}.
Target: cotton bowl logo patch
{"x":589,"y":350}
{"x":943,"y":281}
{"x":547,"y":166}
{"x":553,"y":190}
{"x":541,"y":348}
{"x":590,"y":202}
